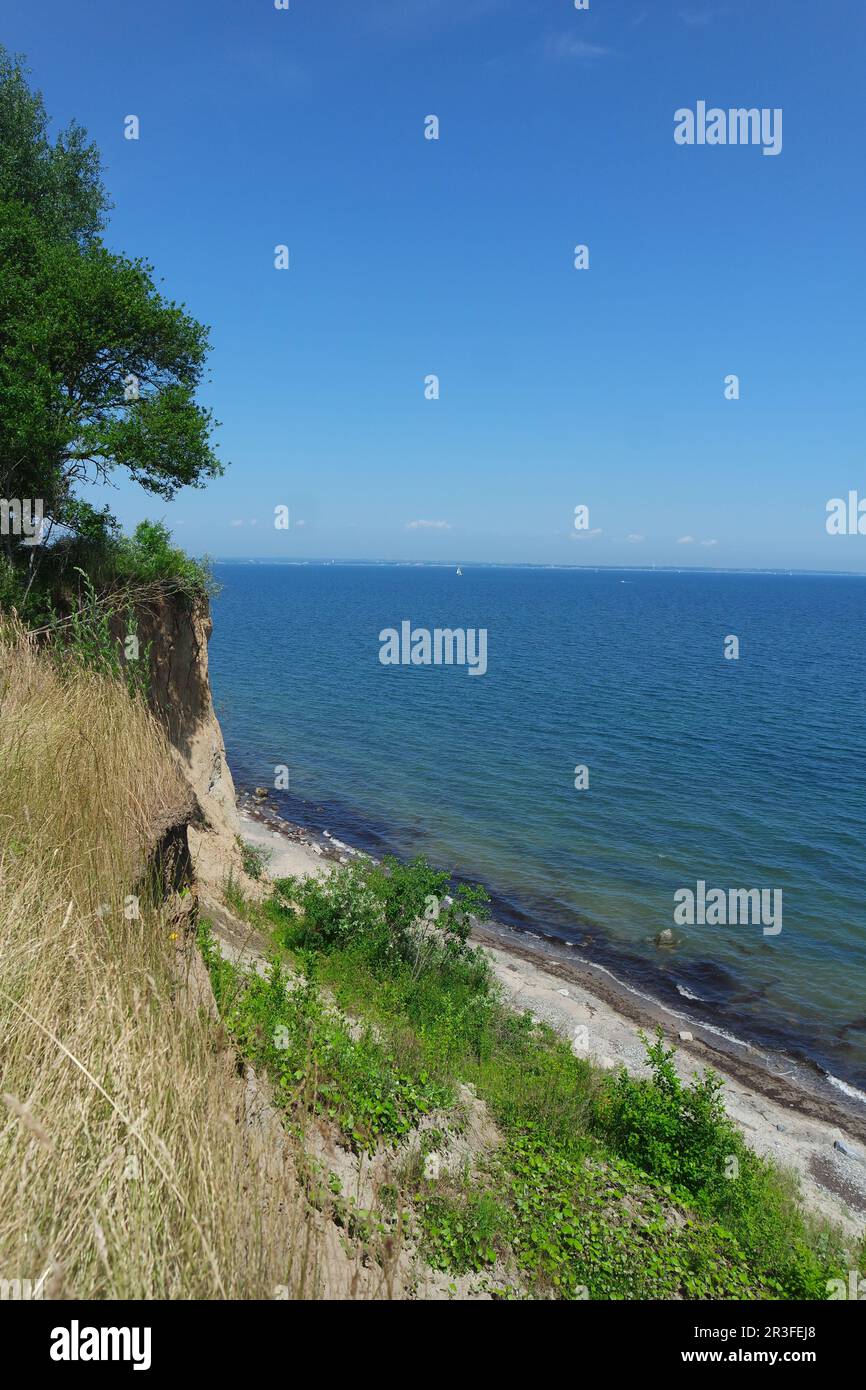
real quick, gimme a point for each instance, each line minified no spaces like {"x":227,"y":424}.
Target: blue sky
{"x":410,"y":257}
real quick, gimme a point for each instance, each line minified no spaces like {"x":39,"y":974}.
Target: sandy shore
{"x":785,"y":1112}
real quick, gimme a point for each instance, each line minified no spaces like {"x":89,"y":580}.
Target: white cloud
{"x":564,"y":46}
{"x":635,"y":538}
{"x":428,"y":525}
{"x":237,"y":523}
{"x":709,"y":542}
{"x":686,"y":540}
{"x":585,"y":535}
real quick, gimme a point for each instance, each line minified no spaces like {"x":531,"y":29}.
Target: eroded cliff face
{"x":174,"y":631}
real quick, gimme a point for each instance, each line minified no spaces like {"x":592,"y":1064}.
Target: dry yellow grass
{"x":126,"y":1168}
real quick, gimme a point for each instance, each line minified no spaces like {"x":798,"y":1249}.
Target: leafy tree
{"x":98,"y":370}
{"x":60,"y":183}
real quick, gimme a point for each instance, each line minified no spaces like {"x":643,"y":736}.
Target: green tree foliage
{"x":98,"y":370}
{"x":61,"y":182}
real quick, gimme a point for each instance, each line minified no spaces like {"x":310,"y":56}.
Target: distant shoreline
{"x":782,"y":571}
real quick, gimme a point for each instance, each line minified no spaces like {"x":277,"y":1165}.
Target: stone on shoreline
{"x":849,"y":1151}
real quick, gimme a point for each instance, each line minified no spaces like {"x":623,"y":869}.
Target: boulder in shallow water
{"x":666,"y":938}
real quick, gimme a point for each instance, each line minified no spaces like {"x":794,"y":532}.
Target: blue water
{"x":747,"y":773}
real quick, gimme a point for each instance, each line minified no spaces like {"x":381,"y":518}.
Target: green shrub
{"x":254,"y":858}
{"x":335,"y":912}
{"x":680,"y":1134}
{"x":148,"y":555}
{"x":397,"y":913}
{"x":683,"y":1138}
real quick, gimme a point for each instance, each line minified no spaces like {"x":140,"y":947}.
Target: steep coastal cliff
{"x":174,"y":630}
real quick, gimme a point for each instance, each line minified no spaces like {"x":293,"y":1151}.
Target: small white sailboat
{"x":459,"y":570}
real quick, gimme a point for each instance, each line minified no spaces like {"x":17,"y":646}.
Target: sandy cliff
{"x":177,"y":629}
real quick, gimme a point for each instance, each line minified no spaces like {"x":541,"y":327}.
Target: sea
{"x":610,"y":759}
